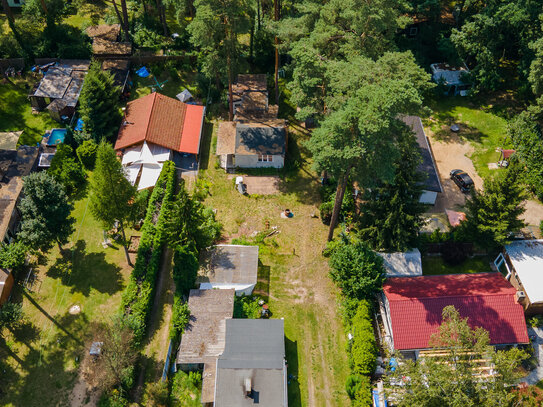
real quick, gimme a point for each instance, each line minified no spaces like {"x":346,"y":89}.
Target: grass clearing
{"x":434,"y":265}
{"x":175,"y":81}
{"x":480,"y":125}
{"x":16,"y":112}
{"x":40,"y":359}
{"x":300,"y":290}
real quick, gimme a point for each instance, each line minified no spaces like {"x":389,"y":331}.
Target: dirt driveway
{"x":454,"y":153}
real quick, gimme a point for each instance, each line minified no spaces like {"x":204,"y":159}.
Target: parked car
{"x":462,"y":179}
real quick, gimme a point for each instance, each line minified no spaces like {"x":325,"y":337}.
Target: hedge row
{"x":363,"y":353}
{"x":138,"y":296}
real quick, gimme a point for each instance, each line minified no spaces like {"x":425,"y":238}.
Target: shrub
{"x":185,"y":269}
{"x":357,"y":270}
{"x":325,"y":210}
{"x":536,"y":321}
{"x":180,"y":317}
{"x":87,"y":153}
{"x":363,"y":393}
{"x":364,"y":346}
{"x":11,"y":314}
{"x":354,"y":381}
{"x":246,"y":307}
{"x":66,"y":169}
{"x":453,"y":253}
{"x":12,"y":256}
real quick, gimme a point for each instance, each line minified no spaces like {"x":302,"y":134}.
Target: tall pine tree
{"x":214,"y":31}
{"x":99,"y":104}
{"x":110,"y":192}
{"x":494,"y":213}
{"x":392,"y":215}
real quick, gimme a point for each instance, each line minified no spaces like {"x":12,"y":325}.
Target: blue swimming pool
{"x":57,"y":136}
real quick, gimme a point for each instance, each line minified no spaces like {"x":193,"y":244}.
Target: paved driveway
{"x":261,"y":185}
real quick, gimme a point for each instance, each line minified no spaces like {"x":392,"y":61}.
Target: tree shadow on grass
{"x":262,"y":287}
{"x":294,"y":395}
{"x":84,"y":271}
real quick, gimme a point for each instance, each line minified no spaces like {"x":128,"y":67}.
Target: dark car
{"x":462,"y":179}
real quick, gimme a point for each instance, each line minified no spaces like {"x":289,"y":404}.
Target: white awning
{"x":184,"y":96}
{"x":132,"y":172}
{"x":131,"y":155}
{"x":149,"y":175}
{"x":160,"y":153}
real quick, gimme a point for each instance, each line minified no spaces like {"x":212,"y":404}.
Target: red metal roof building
{"x":414,"y":305}
{"x":161,"y":120}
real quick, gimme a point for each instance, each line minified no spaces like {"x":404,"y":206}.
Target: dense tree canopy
{"x":45,"y":212}
{"x":391,"y":214}
{"x":357,"y":270}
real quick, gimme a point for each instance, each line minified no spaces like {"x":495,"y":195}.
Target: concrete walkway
{"x":537,"y":374}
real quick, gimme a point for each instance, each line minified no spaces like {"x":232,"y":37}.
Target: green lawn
{"x":39,"y":360}
{"x":293,"y":272}
{"x":434,"y":265}
{"x":481,"y":126}
{"x":172,"y":86}
{"x":16,"y":113}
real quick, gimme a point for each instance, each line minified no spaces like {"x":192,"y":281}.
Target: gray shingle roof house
{"x":203,"y":339}
{"x":432,"y":184}
{"x":252,"y":145}
{"x":252,"y":369}
{"x":230,"y":266}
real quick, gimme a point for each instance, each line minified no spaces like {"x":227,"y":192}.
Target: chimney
{"x":248,"y":386}
{"x":521,"y":296}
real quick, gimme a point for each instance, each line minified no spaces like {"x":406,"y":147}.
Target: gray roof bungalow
{"x":204,"y":337}
{"x":252,"y":145}
{"x":252,"y":369}
{"x":229,"y":266}
{"x":432,"y":184}
{"x":59,"y":89}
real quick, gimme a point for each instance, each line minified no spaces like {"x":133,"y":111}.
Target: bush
{"x":325,"y":210}
{"x":357,"y":270}
{"x":180,"y":317}
{"x":66,"y":169}
{"x":246,"y":307}
{"x":453,"y":253}
{"x":11,"y":314}
{"x":87,"y":153}
{"x":536,"y":321}
{"x":364,"y":346}
{"x":354,"y":381}
{"x":13,"y":255}
{"x":185,"y":269}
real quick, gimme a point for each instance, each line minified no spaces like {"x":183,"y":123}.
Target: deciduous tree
{"x":110,"y":192}
{"x":451,"y":380}
{"x":67,"y":169}
{"x":356,"y":269}
{"x":45,"y":212}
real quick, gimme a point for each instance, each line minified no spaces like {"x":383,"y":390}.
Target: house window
{"x":265,"y":158}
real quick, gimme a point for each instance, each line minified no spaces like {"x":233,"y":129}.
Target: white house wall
{"x":251,"y":161}
{"x":241,"y":289}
